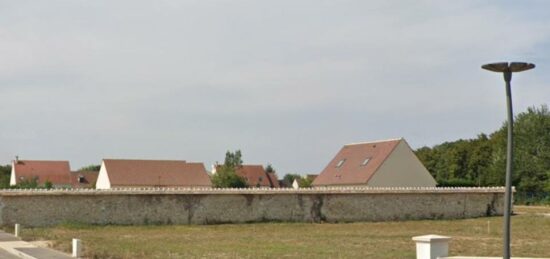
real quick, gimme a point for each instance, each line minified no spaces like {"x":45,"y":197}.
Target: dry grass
{"x":482,"y":236}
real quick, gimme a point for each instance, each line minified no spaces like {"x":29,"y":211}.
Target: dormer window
{"x":80,"y":178}
{"x":366,"y":161}
{"x":341,"y":163}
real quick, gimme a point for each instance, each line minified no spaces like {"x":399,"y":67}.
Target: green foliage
{"x":226,"y":176}
{"x":233,"y":159}
{"x":305,"y":182}
{"x":48,"y":185}
{"x":482,"y":161}
{"x":269,"y":169}
{"x":90,"y":168}
{"x":28,"y":184}
{"x":5,"y":174}
{"x":456,"y":183}
{"x":288,"y":179}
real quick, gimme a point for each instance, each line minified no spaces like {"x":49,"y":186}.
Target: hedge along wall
{"x":213,"y":206}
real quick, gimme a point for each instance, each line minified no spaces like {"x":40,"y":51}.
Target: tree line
{"x":481,"y":161}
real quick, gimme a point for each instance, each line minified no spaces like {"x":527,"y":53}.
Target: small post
{"x":431,"y":246}
{"x":77,"y":248}
{"x":17,"y":230}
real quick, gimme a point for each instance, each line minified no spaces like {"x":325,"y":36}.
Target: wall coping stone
{"x":208,"y":190}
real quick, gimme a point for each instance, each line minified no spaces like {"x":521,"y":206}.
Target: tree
{"x":90,"y":168}
{"x":233,"y":159}
{"x":531,"y":173}
{"x":288,"y":179}
{"x":269,"y":169}
{"x":305,"y":182}
{"x":482,"y":161}
{"x":228,"y":179}
{"x":5,"y":174}
{"x":226,"y":176}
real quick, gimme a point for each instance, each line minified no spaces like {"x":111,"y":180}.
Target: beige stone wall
{"x":206,"y":206}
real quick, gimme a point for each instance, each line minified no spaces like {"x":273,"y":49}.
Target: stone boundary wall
{"x":39,"y":207}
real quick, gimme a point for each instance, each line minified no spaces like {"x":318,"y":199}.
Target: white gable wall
{"x":402,"y":169}
{"x":103,"y":178}
{"x":13,"y":178}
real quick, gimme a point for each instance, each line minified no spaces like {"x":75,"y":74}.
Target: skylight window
{"x":366,"y":161}
{"x":340,"y":163}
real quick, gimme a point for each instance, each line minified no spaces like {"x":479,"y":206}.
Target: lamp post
{"x":507,"y":69}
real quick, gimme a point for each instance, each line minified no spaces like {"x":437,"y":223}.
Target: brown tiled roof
{"x":56,"y":172}
{"x":125,"y":172}
{"x":273,"y":180}
{"x":88,"y":179}
{"x":352,"y":171}
{"x":254,"y":175}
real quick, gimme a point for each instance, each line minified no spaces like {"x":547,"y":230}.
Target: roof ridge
{"x":372,"y":142}
{"x":156,"y":160}
{"x":28,"y":160}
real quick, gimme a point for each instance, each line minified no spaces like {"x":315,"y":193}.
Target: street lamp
{"x":507,"y":69}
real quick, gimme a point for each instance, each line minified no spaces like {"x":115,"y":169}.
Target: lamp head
{"x":508,"y":67}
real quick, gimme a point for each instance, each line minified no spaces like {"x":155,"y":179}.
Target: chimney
{"x":16,"y":159}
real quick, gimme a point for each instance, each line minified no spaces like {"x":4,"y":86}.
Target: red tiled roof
{"x":56,"y":172}
{"x":87,"y":181}
{"x":254,"y":175}
{"x":273,"y":179}
{"x":352,"y":171}
{"x":124,"y":172}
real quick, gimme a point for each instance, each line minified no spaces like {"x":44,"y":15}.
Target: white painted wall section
{"x":103,"y":181}
{"x":402,"y":169}
{"x":12,"y":177}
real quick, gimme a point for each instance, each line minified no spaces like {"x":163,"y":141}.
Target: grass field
{"x":481,"y":236}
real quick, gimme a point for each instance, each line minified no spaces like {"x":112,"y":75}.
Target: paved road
{"x":11,"y":247}
{"x":44,"y":253}
{"x":5,"y":255}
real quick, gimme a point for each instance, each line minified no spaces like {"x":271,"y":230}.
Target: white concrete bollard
{"x":17,"y":230}
{"x":77,"y":248}
{"x":431,"y":246}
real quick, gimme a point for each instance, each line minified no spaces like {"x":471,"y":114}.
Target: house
{"x":84,"y":179}
{"x":119,"y":173}
{"x":254,"y":175}
{"x":387,"y":163}
{"x":42,"y":171}
{"x":309,"y":178}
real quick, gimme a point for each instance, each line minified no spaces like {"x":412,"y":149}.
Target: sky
{"x":287,"y":82}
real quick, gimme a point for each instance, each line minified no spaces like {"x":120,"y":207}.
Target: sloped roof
{"x":274,"y":180}
{"x":126,"y":172}
{"x":57,"y":172}
{"x":89,"y":179}
{"x":352,"y":171}
{"x":254,"y":175}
